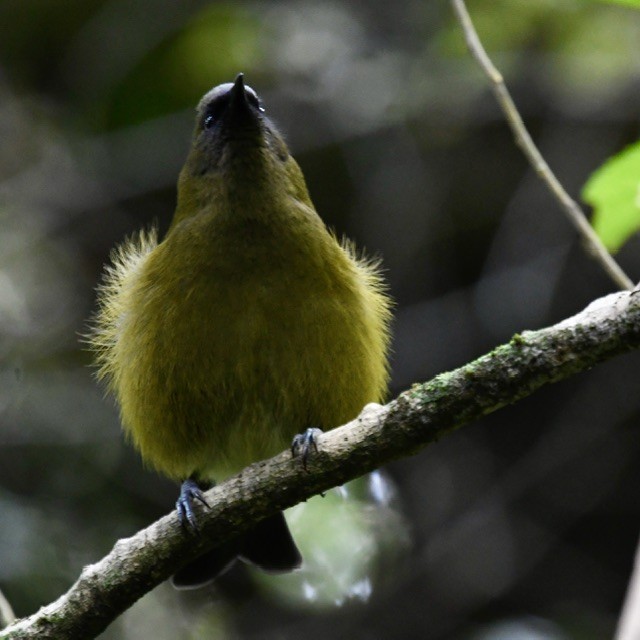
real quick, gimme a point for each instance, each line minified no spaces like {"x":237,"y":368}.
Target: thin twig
{"x":7,"y":616}
{"x":592,"y":243}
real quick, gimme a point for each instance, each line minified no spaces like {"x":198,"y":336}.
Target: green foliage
{"x":626,"y":3}
{"x":350,"y":539}
{"x":614,"y":193}
{"x":212,"y":47}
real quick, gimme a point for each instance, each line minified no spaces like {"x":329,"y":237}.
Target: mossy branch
{"x":416,"y":418}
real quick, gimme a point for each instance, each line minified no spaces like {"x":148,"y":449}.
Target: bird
{"x":249,"y":322}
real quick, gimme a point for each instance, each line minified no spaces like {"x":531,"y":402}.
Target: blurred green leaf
{"x":350,"y":540}
{"x":613,"y":191}
{"x":627,"y":3}
{"x":212,"y":47}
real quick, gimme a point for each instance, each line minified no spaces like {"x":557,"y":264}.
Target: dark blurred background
{"x":522,"y":526}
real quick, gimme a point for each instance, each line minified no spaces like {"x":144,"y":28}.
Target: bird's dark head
{"x":238,"y":160}
{"x":229,"y":108}
{"x":231,"y":122}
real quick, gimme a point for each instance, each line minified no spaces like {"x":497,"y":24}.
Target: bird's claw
{"x":304,"y":442}
{"x":189,"y":492}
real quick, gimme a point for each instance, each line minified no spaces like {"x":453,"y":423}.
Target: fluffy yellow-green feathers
{"x":213,"y":375}
{"x":114,"y":303}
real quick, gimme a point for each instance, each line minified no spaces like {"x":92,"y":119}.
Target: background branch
{"x":609,"y":326}
{"x":629,"y":623}
{"x":6,"y":612}
{"x":571,"y":208}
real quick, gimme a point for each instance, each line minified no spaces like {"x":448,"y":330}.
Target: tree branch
{"x":418,"y":417}
{"x":6,"y":612}
{"x":572,"y":209}
{"x":629,"y":623}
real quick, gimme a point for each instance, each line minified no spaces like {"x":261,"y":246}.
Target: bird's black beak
{"x":238,"y":95}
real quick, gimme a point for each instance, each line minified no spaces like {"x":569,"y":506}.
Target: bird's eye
{"x":214,"y":110}
{"x":254,"y":100}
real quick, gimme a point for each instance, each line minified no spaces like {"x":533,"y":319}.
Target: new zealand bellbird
{"x":248,"y":323}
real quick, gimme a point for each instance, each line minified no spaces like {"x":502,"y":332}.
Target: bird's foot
{"x":304,"y":442}
{"x":190,"y":491}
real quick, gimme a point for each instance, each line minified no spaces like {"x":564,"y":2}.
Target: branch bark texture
{"x":416,"y":418}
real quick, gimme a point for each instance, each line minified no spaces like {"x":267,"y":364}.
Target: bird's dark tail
{"x":269,"y":546}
